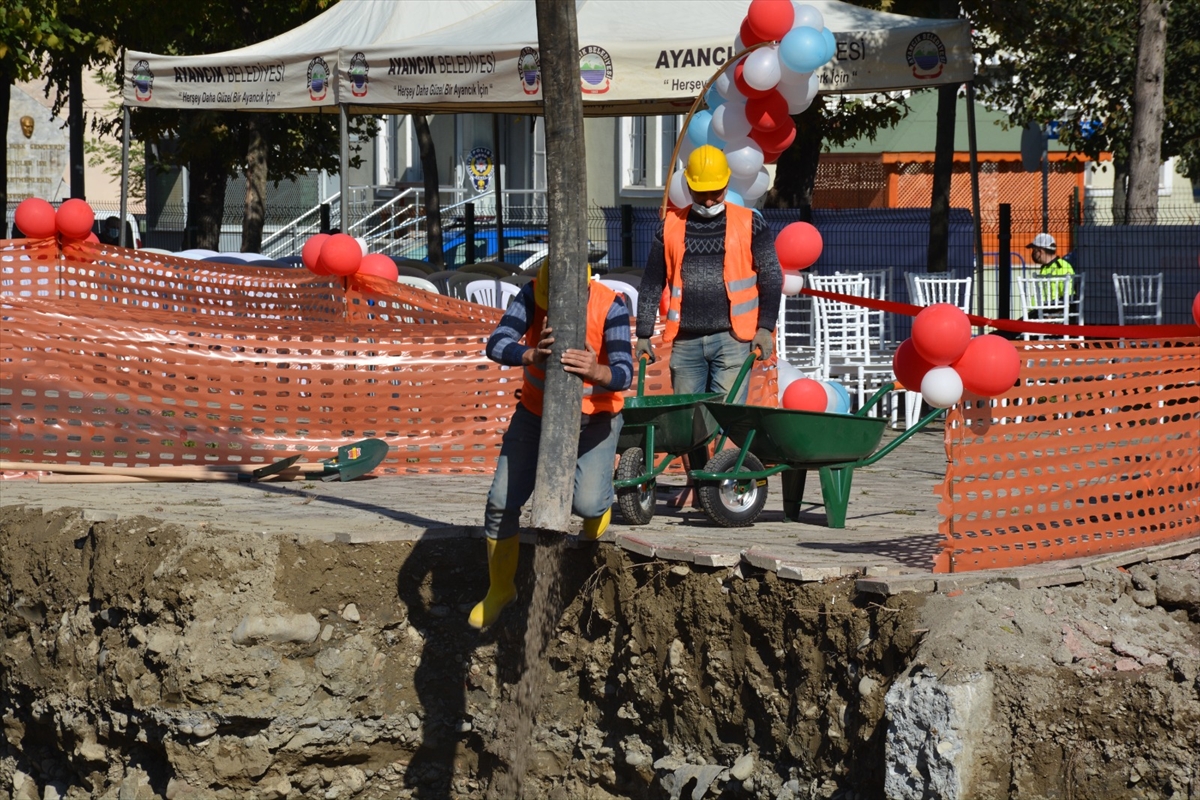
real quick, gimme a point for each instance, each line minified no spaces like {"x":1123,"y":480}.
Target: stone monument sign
{"x":37,"y":151}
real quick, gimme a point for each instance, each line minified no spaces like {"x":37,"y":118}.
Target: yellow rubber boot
{"x":502,"y":570}
{"x":595,"y":527}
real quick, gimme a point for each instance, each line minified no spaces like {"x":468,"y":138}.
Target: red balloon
{"x":805,"y":394}
{"x":340,"y":255}
{"x":310,"y":254}
{"x":798,"y":246}
{"x":749,"y":37}
{"x":770,"y":19}
{"x":909,"y":367}
{"x":74,"y":218}
{"x":989,"y":366}
{"x":768,"y":112}
{"x":740,"y":82}
{"x":92,"y":237}
{"x":941,"y":333}
{"x":779,"y":138}
{"x":1196,"y":309}
{"x":771,"y":156}
{"x":35,"y":218}
{"x":379,"y":265}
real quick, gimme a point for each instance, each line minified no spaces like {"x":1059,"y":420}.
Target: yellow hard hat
{"x":707,"y":170}
{"x":541,"y":285}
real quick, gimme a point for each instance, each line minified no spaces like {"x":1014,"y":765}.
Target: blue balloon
{"x":713,"y":139}
{"x":803,"y":49}
{"x":698,"y":127}
{"x":733,"y":197}
{"x":843,"y":401}
{"x":830,"y":45}
{"x":713,"y":98}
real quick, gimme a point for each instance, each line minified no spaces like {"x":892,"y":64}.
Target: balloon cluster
{"x":342,"y":255}
{"x":750,"y":104}
{"x":941,"y":359}
{"x":73,"y":220}
{"x":799,"y":392}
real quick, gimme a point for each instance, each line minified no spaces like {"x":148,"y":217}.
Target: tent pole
{"x":974,"y":148}
{"x":344,"y":168}
{"x":499,"y":189}
{"x":124,"y":173}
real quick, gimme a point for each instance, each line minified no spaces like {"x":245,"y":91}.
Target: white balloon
{"x":793,"y":282}
{"x":745,"y":158}
{"x":832,"y":397}
{"x":362,"y":244}
{"x":799,"y":96}
{"x":941,"y":387}
{"x":686,"y":147}
{"x":762,"y":68}
{"x":789,"y":78}
{"x":760,"y":186}
{"x":678,"y":194}
{"x":787,"y":374}
{"x":729,"y":121}
{"x":724,"y":84}
{"x":807,"y":15}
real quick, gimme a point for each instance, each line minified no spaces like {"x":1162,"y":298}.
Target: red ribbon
{"x":1023,"y":326}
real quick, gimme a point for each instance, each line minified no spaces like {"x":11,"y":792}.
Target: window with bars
{"x":647,"y":144}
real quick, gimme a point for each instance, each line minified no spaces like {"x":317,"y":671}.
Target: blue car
{"x":454,"y":245}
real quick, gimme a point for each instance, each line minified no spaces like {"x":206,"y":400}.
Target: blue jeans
{"x":709,"y":364}
{"x":516,"y":471}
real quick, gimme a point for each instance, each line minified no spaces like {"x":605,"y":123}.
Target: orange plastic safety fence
{"x":124,"y":358}
{"x":1096,"y":450}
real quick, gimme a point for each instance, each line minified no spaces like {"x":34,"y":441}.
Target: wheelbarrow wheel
{"x":636,"y":502}
{"x":733,"y":503}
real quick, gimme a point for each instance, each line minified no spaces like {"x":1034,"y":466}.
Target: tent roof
{"x":637,"y":57}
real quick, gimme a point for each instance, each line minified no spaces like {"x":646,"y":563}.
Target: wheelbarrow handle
{"x":737,"y":384}
{"x":875,"y":398}
{"x":642,"y":361}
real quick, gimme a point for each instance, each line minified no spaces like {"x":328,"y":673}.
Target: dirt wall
{"x":145,"y":660}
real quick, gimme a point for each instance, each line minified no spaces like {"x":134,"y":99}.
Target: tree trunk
{"x":1145,"y":148}
{"x":433,"y":197}
{"x":566,"y":201}
{"x":938,"y":256}
{"x":206,"y":202}
{"x":1120,"y":196}
{"x":5,"y":99}
{"x":796,"y":170}
{"x":256,"y":183}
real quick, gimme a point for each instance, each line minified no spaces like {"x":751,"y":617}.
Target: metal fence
{"x":854,"y":239}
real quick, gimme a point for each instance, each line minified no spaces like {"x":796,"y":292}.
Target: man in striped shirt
{"x":524,"y":339}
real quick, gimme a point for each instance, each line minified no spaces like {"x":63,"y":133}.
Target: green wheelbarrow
{"x":671,"y":425}
{"x":733,"y":484}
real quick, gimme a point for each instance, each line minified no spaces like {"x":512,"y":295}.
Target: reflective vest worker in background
{"x":523,"y":339}
{"x":1042,"y":250}
{"x":718,"y":263}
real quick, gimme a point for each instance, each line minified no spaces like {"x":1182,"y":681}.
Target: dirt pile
{"x":144,"y":660}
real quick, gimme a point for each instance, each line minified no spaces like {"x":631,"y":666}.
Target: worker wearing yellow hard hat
{"x":717,"y":263}
{"x":524,"y":338}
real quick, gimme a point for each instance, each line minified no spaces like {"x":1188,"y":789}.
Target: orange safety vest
{"x":741,"y":281}
{"x":596,"y":399}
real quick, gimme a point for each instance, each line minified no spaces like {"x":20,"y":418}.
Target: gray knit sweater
{"x":705,"y":304}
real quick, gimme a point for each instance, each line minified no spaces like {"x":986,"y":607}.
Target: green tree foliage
{"x":1075,"y":60}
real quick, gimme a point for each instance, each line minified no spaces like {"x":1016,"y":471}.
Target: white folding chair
{"x":926,"y":290}
{"x":1075,"y":299}
{"x":418,"y":283}
{"x":621,"y":287}
{"x":1139,"y":298}
{"x":491,"y":292}
{"x":1044,"y":298}
{"x":879,"y":287}
{"x":844,"y":337}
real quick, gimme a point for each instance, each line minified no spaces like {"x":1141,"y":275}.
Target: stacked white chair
{"x":489,"y":292}
{"x":844,"y":336}
{"x":1045,"y":298}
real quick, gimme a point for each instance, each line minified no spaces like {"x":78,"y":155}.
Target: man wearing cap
{"x":718,"y":263}
{"x":523,"y":339}
{"x":1042,"y":249}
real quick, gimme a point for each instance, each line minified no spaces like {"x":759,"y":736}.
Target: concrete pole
{"x":124,"y":173}
{"x":566,"y":200}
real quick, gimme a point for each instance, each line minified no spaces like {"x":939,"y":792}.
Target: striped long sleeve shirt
{"x":506,"y":345}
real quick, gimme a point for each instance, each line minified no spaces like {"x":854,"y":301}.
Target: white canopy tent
{"x":637,"y":57}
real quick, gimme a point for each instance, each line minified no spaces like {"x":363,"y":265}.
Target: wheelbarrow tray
{"x":681,"y":422}
{"x":798,"y":438}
